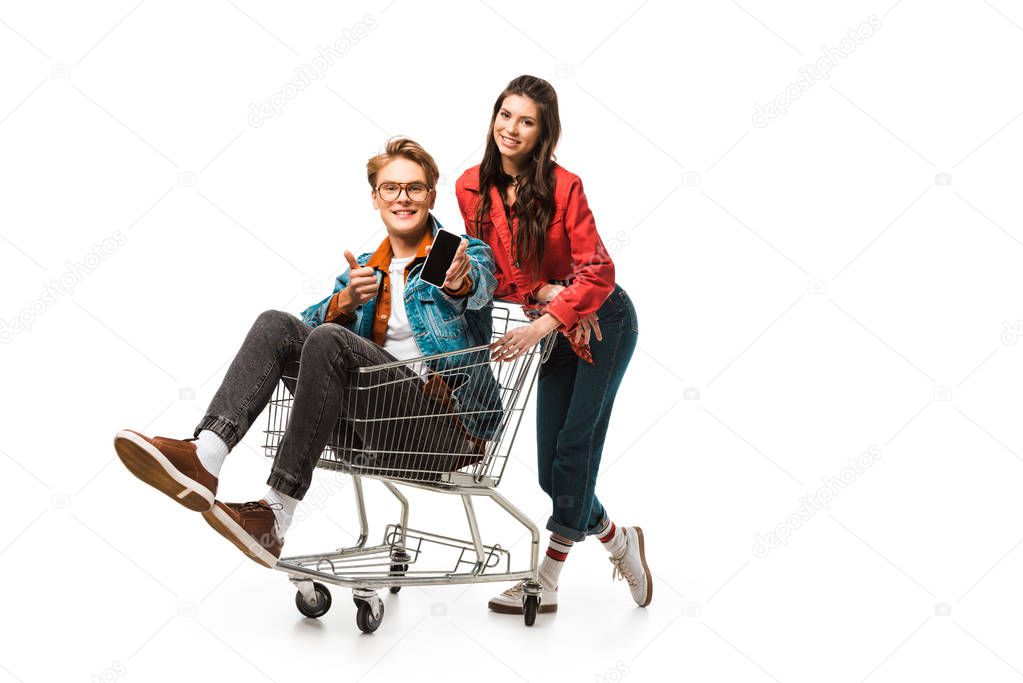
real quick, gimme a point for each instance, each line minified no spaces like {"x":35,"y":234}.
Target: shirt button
{"x":383,"y":317}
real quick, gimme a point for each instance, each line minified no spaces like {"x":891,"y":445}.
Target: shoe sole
{"x":642,"y":558}
{"x":146,"y":462}
{"x":501,"y":608}
{"x":225,"y":525}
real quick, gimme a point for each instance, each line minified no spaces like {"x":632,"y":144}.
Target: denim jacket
{"x":442,"y":323}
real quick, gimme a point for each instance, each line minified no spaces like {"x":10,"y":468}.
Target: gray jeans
{"x":328,"y":406}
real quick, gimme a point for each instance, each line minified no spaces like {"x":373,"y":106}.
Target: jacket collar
{"x":381,"y":258}
{"x":471,"y":179}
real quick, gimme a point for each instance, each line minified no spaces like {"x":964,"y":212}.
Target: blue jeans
{"x":573,"y":408}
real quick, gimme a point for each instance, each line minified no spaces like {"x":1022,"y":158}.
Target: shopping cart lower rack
{"x":444,"y":423}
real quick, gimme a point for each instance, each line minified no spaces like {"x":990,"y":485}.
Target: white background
{"x":807,"y":290}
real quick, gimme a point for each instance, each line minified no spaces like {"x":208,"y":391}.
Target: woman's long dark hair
{"x":534,"y":196}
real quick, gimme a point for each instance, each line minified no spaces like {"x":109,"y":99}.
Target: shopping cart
{"x":444,"y":423}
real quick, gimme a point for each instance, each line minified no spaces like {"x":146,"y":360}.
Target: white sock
{"x":613,"y":538}
{"x":553,"y":561}
{"x":211,"y":450}
{"x":284,"y":509}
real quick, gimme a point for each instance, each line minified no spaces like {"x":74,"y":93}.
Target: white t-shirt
{"x":399,"y":341}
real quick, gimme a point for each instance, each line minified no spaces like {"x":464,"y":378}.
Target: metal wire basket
{"x":448,"y":419}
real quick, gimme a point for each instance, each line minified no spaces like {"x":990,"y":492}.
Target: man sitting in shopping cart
{"x":413,"y":418}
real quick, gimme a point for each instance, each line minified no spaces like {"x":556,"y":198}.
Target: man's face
{"x":404,"y":217}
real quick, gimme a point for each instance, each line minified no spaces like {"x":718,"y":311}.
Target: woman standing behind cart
{"x":549,"y":258}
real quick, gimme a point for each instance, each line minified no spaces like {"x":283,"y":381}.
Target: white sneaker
{"x":510,"y":601}
{"x":632,"y":567}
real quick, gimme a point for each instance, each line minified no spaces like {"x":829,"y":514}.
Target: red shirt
{"x":574,"y":250}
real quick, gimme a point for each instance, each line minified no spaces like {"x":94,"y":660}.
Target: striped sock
{"x":554,"y":560}
{"x":613,"y":538}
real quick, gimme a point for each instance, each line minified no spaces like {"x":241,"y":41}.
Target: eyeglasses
{"x":416,"y":192}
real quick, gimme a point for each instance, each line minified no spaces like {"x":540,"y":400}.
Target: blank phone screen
{"x":445,"y":244}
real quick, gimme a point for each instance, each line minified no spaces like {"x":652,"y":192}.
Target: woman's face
{"x":402,"y":215}
{"x":517,"y":128}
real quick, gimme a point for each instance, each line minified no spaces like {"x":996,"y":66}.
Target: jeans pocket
{"x":629,"y":310}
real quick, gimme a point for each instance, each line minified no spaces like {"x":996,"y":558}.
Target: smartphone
{"x":445,"y":244}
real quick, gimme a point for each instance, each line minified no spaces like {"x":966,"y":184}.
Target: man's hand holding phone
{"x":362,"y":284}
{"x":460,"y":267}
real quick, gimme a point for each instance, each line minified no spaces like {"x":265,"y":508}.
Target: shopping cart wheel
{"x":364,"y":618}
{"x":529,"y":605}
{"x":398,"y":570}
{"x":317,"y":609}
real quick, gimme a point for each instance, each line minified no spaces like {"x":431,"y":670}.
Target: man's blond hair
{"x":406,"y":149}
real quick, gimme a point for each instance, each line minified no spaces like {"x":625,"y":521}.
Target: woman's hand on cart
{"x":522,"y":339}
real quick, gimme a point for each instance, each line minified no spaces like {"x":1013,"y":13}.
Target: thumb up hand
{"x":352,"y":263}
{"x":362,"y":281}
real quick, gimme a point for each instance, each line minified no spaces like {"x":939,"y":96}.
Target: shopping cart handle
{"x":546,"y":344}
{"x":423,"y":359}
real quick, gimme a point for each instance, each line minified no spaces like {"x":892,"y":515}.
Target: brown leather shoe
{"x":250,"y":526}
{"x":168,"y":465}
